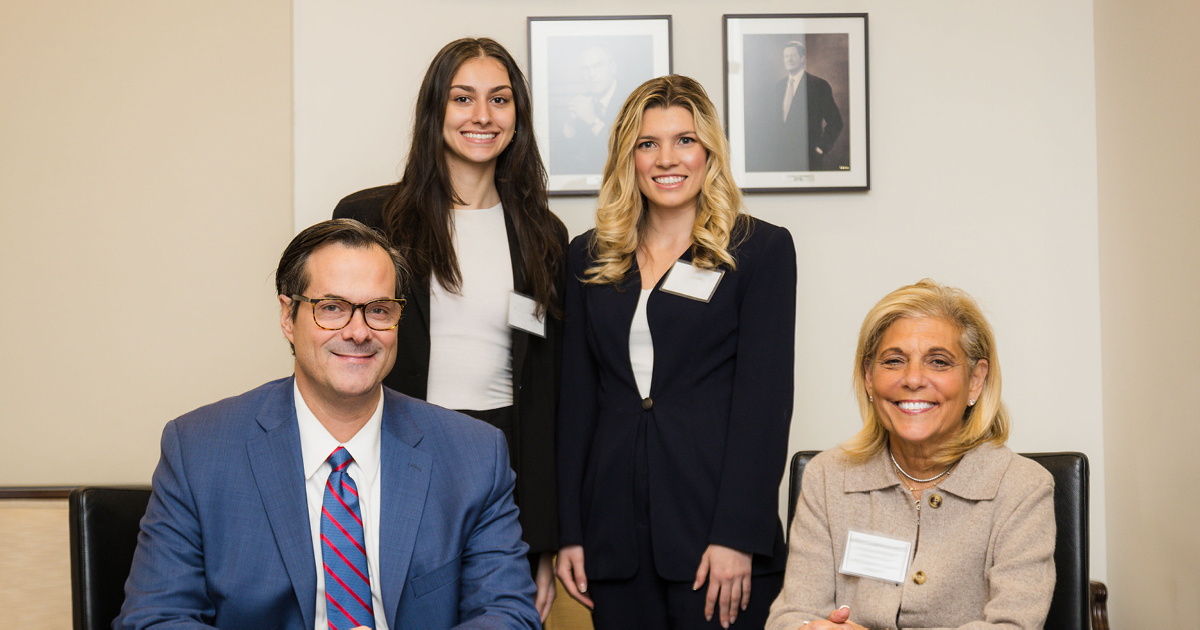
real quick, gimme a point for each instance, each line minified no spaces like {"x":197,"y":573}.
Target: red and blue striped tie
{"x":347,"y":583}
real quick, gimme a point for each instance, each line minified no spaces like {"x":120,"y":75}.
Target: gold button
{"x":647,"y":403}
{"x":919,"y":577}
{"x":935,"y":501}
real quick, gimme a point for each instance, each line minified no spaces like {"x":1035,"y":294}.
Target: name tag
{"x":522,"y":315}
{"x":876,"y":557}
{"x":689,"y":281}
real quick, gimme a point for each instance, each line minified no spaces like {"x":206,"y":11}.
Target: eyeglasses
{"x":333,"y":314}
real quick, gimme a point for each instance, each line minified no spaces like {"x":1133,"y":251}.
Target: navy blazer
{"x":717,"y":417}
{"x":535,"y":369}
{"x":225,"y":541}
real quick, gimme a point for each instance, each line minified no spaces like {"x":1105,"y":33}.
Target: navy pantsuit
{"x":715,"y":424}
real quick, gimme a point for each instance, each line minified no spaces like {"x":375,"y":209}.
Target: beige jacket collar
{"x":976,"y":478}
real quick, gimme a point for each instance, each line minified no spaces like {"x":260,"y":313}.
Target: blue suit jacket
{"x":225,"y":541}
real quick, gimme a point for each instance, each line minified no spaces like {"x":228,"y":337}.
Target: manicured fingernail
{"x":847,"y":607}
{"x":583,"y":588}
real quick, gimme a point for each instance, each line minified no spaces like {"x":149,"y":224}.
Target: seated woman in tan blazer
{"x":924,"y":518}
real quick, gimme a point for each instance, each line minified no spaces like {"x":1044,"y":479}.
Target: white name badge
{"x":522,"y":314}
{"x":692,"y":282}
{"x":876,"y":557}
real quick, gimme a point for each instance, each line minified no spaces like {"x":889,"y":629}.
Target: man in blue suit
{"x":237,"y":533}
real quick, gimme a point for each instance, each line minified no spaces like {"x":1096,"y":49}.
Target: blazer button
{"x":935,"y":501}
{"x":647,"y":403}
{"x":919,"y":577}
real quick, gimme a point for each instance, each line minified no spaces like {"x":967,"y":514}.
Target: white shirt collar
{"x":316,"y":443}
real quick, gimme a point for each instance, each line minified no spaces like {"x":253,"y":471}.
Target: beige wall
{"x":1147,"y":90}
{"x":146,"y":192}
{"x":983,"y":155}
{"x":146,"y":187}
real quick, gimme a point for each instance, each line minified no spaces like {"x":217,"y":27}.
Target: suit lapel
{"x":520,"y":338}
{"x":418,"y":300}
{"x":278,"y":470}
{"x":411,"y":372}
{"x":618,"y":306}
{"x":404,"y":473}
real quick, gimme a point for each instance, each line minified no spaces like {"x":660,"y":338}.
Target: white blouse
{"x":470,"y":344}
{"x":641,"y":346}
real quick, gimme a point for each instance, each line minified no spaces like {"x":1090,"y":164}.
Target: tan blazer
{"x":986,"y":554}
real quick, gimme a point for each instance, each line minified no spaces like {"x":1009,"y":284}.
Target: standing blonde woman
{"x":677,"y":367}
{"x":471,"y":218}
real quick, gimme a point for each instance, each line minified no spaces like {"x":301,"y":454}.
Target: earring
{"x":870,"y":398}
{"x":971,"y":403}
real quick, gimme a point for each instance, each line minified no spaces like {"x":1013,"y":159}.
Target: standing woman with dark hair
{"x":470,"y":215}
{"x":677,"y":363}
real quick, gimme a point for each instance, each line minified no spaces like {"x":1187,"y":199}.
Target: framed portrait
{"x":581,"y":70}
{"x":796,"y":105}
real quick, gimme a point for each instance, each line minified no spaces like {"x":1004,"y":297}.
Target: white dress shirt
{"x":316,"y":445}
{"x":790,"y":92}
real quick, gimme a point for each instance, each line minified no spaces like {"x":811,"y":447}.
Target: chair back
{"x":104,"y":525}
{"x":1069,"y":609}
{"x":799,"y":461}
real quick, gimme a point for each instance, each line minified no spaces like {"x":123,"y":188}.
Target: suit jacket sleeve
{"x":536,"y":392}
{"x":1022,"y":576}
{"x":577,"y":409}
{"x":809,"y":587}
{"x":760,"y":415}
{"x":831,"y":115}
{"x":166,"y":584}
{"x":495,"y":575}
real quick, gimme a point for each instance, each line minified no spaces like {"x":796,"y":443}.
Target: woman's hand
{"x":728,"y":574}
{"x":570,"y":571}
{"x":545,"y":585}
{"x":839,"y":618}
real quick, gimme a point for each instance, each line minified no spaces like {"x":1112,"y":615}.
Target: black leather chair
{"x":104,"y":524}
{"x":1076,"y":600}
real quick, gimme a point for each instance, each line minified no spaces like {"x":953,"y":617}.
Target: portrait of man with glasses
{"x":325,"y":499}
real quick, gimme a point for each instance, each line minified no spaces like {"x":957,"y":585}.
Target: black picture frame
{"x":581,"y":69}
{"x":808,"y":134}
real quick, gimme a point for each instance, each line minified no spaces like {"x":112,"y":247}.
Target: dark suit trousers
{"x":648,"y":601}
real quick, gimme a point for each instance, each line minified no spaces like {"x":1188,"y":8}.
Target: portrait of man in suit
{"x":798,"y":122}
{"x":323,"y":499}
{"x":589,"y":85}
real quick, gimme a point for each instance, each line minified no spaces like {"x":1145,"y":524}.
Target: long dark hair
{"x":417,"y":217}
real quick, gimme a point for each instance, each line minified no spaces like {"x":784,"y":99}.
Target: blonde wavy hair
{"x":621,"y":215}
{"x":985,"y":421}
